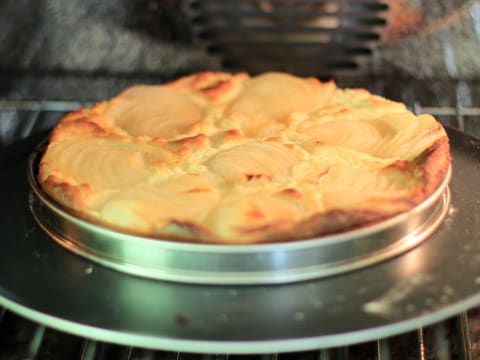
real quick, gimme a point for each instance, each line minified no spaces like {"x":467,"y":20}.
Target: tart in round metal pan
{"x":266,"y":263}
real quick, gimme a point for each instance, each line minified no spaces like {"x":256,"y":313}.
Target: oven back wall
{"x":86,"y":50}
{"x":90,"y":50}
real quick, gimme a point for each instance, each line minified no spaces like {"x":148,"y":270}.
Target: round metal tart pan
{"x":48,"y":284}
{"x":266,"y":263}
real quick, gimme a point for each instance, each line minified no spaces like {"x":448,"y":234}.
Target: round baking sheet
{"x":46,"y":283}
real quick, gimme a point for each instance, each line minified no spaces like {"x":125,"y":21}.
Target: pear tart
{"x":223,"y":158}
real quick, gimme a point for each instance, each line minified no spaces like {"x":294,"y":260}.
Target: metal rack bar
{"x":35,"y":105}
{"x":383,"y":350}
{"x":126,"y":353}
{"x":89,"y":349}
{"x":421,"y":344}
{"x":8,"y":124}
{"x":36,"y":342}
{"x":448,"y":111}
{"x":441,"y":341}
{"x":463,"y":337}
{"x":14,"y":106}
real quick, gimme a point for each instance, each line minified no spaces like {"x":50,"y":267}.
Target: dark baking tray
{"x":42,"y":281}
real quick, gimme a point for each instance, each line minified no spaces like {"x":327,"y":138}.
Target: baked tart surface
{"x":216,"y":157}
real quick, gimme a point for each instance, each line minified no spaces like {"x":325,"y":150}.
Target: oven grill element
{"x":454,"y":338}
{"x":304,"y":37}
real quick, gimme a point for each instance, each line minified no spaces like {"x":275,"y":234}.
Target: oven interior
{"x":64,"y":56}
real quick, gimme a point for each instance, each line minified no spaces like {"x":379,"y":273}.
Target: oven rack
{"x":22,"y":118}
{"x":455,"y":338}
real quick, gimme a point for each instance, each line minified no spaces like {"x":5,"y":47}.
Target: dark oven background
{"x":88,"y":50}
{"x":58,"y":55}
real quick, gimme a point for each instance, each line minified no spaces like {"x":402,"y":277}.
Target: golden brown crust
{"x":215,"y":157}
{"x":436,"y":161}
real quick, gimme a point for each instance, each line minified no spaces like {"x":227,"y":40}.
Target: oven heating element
{"x":315,"y":37}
